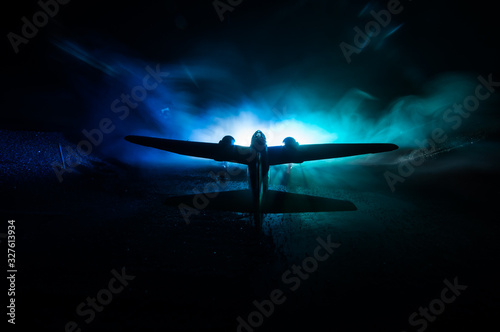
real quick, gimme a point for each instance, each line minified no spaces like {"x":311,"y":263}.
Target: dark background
{"x":395,"y":251}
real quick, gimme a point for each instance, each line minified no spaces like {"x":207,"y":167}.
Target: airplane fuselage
{"x":258,"y":170}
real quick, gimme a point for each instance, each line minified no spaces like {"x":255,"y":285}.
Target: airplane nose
{"x":258,"y":138}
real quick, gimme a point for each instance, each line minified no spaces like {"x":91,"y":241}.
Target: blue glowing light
{"x":200,"y":101}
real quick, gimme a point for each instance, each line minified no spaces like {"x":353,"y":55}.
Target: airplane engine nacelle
{"x":227,"y":141}
{"x":290,"y":144}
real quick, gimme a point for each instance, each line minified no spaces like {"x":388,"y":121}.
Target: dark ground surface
{"x":395,"y":250}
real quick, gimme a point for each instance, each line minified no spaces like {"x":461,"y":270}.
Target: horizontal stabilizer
{"x":274,"y":202}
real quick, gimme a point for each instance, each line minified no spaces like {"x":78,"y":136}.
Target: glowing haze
{"x":204,"y":99}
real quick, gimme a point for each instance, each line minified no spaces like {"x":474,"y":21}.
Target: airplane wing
{"x":216,"y":151}
{"x":283,"y":155}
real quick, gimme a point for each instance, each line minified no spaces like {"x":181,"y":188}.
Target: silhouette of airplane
{"x":259,"y":157}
